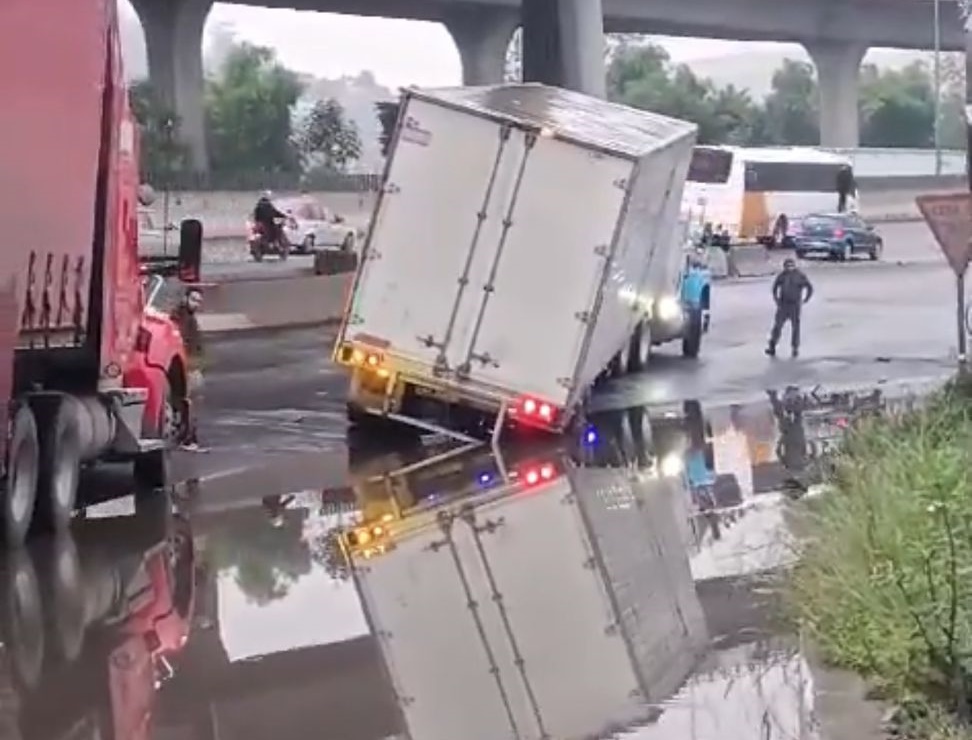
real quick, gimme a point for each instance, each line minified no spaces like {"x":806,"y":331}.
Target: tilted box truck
{"x":539,"y":599}
{"x":519,"y":242}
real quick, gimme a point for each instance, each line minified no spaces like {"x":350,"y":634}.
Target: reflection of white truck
{"x":560,"y":605}
{"x":522,"y":236}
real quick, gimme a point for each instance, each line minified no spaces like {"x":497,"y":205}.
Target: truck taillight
{"x":534,"y":474}
{"x":143,"y":339}
{"x":351,"y":355}
{"x":535,"y":411}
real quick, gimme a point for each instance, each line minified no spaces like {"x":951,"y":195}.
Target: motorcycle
{"x":261,"y":244}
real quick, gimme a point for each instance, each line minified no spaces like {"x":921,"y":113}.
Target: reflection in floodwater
{"x":619,"y":585}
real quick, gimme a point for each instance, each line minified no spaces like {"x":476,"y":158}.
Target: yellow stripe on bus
{"x":755,"y":216}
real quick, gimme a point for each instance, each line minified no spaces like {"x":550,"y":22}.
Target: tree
{"x":248,"y":111}
{"x":327,"y":138}
{"x":792,"y":108}
{"x":387,"y":111}
{"x":163,"y":154}
{"x":897,"y":107}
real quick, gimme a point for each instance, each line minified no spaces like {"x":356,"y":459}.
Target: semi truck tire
{"x":23,"y":460}
{"x":60,"y":461}
{"x":640,"y":349}
{"x":692,"y":339}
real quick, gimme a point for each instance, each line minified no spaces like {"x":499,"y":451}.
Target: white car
{"x":311,"y":225}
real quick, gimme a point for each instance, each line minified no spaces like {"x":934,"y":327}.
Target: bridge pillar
{"x":482,"y":35}
{"x":563,"y":44}
{"x":838,"y":71}
{"x":173,"y":39}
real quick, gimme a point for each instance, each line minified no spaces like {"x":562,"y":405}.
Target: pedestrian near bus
{"x":791,"y":289}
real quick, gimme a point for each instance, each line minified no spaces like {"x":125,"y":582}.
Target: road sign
{"x":949,"y":217}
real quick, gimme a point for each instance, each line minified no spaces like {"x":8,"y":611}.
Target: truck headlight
{"x":671,"y":466}
{"x":669,"y":309}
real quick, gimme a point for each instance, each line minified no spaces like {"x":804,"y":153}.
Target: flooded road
{"x":620,"y":585}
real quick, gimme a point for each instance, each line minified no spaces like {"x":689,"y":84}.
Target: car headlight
{"x":669,"y":309}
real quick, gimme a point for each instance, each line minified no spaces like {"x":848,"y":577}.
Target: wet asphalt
{"x":623,"y":584}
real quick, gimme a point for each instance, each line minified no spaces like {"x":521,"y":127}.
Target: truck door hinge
{"x":485,"y":359}
{"x":355,"y":320}
{"x":621,"y":183}
{"x":583,"y":316}
{"x":392,"y":189}
{"x":430,"y":341}
{"x":565,"y":382}
{"x":601,"y":250}
{"x":373,"y":254}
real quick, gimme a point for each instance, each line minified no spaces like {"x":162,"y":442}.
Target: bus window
{"x":792,"y":177}
{"x":710,"y":165}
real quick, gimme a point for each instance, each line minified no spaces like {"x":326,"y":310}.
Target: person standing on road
{"x":186,"y":317}
{"x":791,"y":290}
{"x":845,"y":187}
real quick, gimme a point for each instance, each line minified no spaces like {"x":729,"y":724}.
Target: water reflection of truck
{"x":539,"y":597}
{"x":91,"y":622}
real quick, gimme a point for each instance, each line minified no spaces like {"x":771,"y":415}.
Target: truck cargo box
{"x":562,"y":607}
{"x":520,"y":234}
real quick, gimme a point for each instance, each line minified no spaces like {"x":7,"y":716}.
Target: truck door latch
{"x":485,"y":358}
{"x":429,"y":341}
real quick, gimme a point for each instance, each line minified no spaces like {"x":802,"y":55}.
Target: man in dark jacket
{"x":845,"y":187}
{"x":791,"y":290}
{"x":265,"y":213}
{"x":186,"y":317}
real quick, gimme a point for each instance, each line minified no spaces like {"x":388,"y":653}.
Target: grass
{"x":884,"y":585}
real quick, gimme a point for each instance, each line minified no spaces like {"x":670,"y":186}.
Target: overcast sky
{"x":398,"y":52}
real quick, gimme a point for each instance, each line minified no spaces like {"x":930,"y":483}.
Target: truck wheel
{"x":60,"y":461}
{"x":692,"y":339}
{"x":23,"y":619}
{"x":151,"y":470}
{"x":640,"y":350}
{"x":21,"y":484}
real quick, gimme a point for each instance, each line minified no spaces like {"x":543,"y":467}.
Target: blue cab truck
{"x":683,"y":312}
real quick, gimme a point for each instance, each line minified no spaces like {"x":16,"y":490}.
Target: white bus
{"x":747,"y":191}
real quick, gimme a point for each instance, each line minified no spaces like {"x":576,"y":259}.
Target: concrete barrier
{"x":255,"y":305}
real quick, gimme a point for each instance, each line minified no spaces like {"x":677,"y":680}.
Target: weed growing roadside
{"x":884,"y":586}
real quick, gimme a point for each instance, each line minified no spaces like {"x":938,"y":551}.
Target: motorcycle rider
{"x":265,"y":213}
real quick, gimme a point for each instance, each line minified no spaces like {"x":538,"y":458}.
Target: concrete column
{"x":482,"y":35}
{"x":838,"y":71}
{"x":563,"y":44}
{"x":173,"y":38}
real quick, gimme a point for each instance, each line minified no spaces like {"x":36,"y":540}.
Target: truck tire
{"x":60,"y":461}
{"x":23,"y":463}
{"x":640,"y":350}
{"x":692,"y":339}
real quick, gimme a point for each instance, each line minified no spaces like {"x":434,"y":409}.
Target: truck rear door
{"x":544,"y":271}
{"x":439,"y":203}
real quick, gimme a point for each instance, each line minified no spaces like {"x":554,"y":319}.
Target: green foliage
{"x":885,"y":583}
{"x":162,"y":153}
{"x":897,"y":106}
{"x":326,"y":138}
{"x":248,"y":112}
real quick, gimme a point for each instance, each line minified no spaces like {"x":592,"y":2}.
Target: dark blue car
{"x":839,"y":236}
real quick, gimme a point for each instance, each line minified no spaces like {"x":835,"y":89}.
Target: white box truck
{"x":520,"y":239}
{"x":539,"y":599}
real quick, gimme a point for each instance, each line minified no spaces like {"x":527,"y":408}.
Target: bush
{"x":885,"y":582}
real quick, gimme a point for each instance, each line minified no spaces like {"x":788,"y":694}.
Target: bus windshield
{"x":710,"y":165}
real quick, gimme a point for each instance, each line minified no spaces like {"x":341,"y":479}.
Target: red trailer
{"x":87,"y":371}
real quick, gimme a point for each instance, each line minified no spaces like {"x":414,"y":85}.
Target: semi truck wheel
{"x":640,"y":349}
{"x":60,"y":461}
{"x":23,"y":458}
{"x":692,"y":339}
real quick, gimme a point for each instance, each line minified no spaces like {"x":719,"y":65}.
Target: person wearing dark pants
{"x":791,"y":290}
{"x":845,"y":187}
{"x":186,"y":316}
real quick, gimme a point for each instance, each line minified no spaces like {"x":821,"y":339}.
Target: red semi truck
{"x":88,"y":372}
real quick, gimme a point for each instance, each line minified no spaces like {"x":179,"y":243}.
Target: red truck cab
{"x":87,"y":371}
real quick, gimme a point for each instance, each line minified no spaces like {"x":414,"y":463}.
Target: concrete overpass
{"x":563,"y":40}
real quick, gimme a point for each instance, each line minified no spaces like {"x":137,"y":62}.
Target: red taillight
{"x":530,"y":409}
{"x":537,"y":473}
{"x":838,"y":233}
